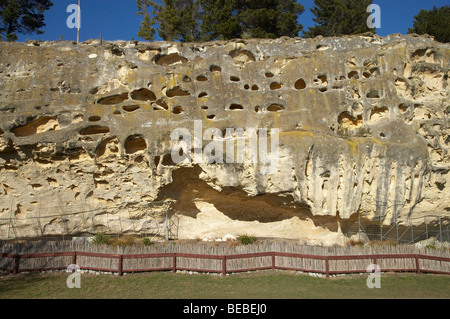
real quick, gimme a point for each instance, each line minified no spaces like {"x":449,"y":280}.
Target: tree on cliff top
{"x":146,"y":31}
{"x":228,"y":19}
{"x":176,"y":19}
{"x":206,"y":20}
{"x":339,"y":17}
{"x":22,"y":16}
{"x":434,"y":22}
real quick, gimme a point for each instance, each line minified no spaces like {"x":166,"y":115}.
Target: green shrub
{"x":100,"y":239}
{"x":146,"y":241}
{"x":246,"y":239}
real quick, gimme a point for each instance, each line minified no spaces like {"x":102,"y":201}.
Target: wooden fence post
{"x":74,"y":260}
{"x":120,"y":265}
{"x":327,"y":267}
{"x":16,"y":264}
{"x":174,"y":263}
{"x":224,"y":265}
{"x":417,"y":264}
{"x":273,"y":260}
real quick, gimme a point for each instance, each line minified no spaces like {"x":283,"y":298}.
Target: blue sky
{"x":117,"y":19}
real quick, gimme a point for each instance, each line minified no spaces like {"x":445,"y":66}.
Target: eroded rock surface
{"x":363,"y":127}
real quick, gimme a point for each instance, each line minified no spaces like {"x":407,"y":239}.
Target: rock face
{"x":85,"y":134}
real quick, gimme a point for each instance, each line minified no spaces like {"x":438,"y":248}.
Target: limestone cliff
{"x":363,"y":125}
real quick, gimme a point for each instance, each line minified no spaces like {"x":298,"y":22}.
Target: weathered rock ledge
{"x":363,"y":123}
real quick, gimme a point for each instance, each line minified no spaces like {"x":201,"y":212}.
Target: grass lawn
{"x":256,"y":285}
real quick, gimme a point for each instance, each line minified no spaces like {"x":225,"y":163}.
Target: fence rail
{"x":417,"y":263}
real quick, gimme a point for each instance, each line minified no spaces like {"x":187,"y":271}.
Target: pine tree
{"x":228,"y":19}
{"x":434,"y":22}
{"x":176,"y":19}
{"x":189,"y":21}
{"x":22,"y":16}
{"x":146,"y":31}
{"x":206,"y":20}
{"x":219,"y":20}
{"x":269,"y":18}
{"x":339,"y":17}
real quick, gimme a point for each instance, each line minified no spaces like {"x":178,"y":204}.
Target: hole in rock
{"x":351,"y":62}
{"x":269,"y":75}
{"x":378,"y":112}
{"x":135,"y":143}
{"x":40,"y":125}
{"x":176,"y":91}
{"x":246,"y":86}
{"x":160,"y":105}
{"x":322,"y":47}
{"x":323,"y":79}
{"x":143,"y":95}
{"x":215,"y":68}
{"x":275,"y":85}
{"x":242,"y":56}
{"x":403,"y":107}
{"x":93,"y":90}
{"x":234,"y":78}
{"x":347,"y":121}
{"x":113,"y":99}
{"x":423,"y":55}
{"x":131,"y":108}
{"x":204,"y":107}
{"x":94,"y":118}
{"x":202,"y":78}
{"x":440,"y":186}
{"x":300,"y":84}
{"x":211,"y":116}
{"x":169,"y":59}
{"x":109,"y":145}
{"x":177,"y":110}
{"x":236,"y":107}
{"x":275,"y":108}
{"x":255,"y":87}
{"x":52,"y":182}
{"x":374,"y":71}
{"x":167,"y":160}
{"x":186,"y":79}
{"x":353,"y":75}
{"x":373,"y":94}
{"x":323,"y":90}
{"x":203,"y":94}
{"x":117,"y":51}
{"x":91,"y":130}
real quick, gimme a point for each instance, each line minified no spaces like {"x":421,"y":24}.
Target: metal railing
{"x":414,"y":230}
{"x":72,"y":221}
